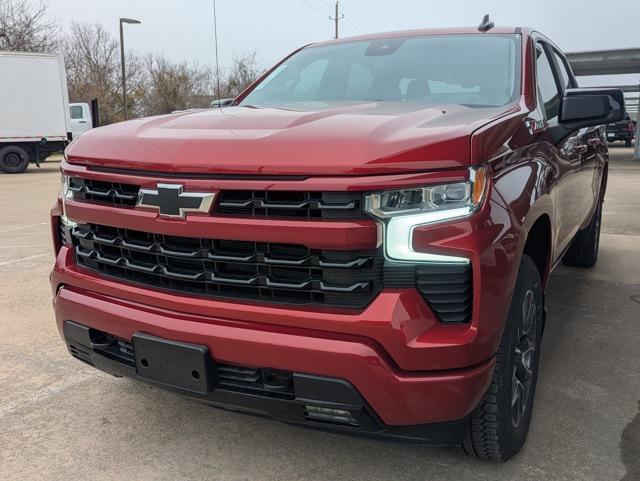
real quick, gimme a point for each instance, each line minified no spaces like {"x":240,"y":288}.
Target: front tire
{"x":499,"y":425}
{"x":583,"y":251}
{"x":14,"y":159}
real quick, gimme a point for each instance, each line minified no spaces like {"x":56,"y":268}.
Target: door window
{"x":565,"y":78}
{"x":548,"y":94}
{"x":76,"y":112}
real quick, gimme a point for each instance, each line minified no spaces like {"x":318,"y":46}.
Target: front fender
{"x":523,"y":185}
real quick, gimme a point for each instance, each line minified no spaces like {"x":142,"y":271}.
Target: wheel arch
{"x":538,"y":245}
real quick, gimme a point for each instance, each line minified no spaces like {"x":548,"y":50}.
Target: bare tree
{"x":175,"y":86}
{"x":244,"y":70}
{"x":25,"y":27}
{"x":93,"y":71}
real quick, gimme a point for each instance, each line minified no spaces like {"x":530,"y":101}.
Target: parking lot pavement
{"x":62,"y":420}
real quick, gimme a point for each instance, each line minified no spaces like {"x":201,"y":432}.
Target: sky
{"x":183,"y":29}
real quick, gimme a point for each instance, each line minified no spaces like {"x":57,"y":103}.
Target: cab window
{"x":565,"y":77}
{"x":548,"y":94}
{"x":76,"y":112}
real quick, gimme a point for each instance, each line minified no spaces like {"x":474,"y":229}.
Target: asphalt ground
{"x":60,"y":419}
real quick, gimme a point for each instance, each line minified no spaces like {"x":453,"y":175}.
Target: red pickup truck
{"x":361,"y":242}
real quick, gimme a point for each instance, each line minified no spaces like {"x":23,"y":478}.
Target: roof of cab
{"x":429,"y":32}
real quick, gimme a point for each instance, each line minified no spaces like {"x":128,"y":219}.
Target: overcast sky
{"x":183,"y":29}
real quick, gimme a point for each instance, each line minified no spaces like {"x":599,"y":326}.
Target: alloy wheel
{"x":524,"y":355}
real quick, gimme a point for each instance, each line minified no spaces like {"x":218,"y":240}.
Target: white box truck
{"x":34,"y":109}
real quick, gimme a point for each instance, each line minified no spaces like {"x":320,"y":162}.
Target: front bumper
{"x":614,"y":136}
{"x":317,"y":401}
{"x":392,"y":397}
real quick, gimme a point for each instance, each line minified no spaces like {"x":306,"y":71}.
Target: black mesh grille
{"x":301,"y":205}
{"x":112,"y":193}
{"x":257,"y":381}
{"x":283,"y":273}
{"x":448,"y":289}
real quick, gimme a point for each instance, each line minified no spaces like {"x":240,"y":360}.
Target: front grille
{"x":301,"y":205}
{"x":261,"y":271}
{"x":244,"y":203}
{"x":110,"y":193}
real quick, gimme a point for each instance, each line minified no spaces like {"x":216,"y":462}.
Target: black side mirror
{"x":590,"y":107}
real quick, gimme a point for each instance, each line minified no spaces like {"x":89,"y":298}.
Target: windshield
{"x":473,"y":70}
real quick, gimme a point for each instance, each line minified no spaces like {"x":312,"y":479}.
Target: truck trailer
{"x":34,"y":109}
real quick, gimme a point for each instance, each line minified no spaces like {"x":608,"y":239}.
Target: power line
{"x":354,"y":25}
{"x":310,"y":5}
{"x":327,"y":3}
{"x":296,"y":17}
{"x":352,"y":20}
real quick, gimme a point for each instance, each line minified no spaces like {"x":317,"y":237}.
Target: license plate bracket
{"x":173,"y":363}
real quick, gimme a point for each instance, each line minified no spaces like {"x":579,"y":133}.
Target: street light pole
{"x":124,"y":77}
{"x":636,"y":151}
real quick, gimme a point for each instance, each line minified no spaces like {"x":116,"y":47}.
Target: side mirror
{"x":590,"y":107}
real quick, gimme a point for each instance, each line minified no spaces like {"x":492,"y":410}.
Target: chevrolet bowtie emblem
{"x":170,"y":201}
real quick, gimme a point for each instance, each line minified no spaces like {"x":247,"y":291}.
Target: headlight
{"x":66,"y":224}
{"x":401,"y":211}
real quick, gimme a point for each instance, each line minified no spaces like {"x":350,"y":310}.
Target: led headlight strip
{"x":402,"y":211}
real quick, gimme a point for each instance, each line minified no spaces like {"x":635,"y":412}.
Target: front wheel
{"x":499,"y":425}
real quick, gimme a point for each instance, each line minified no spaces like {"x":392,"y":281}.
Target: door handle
{"x":581,"y":149}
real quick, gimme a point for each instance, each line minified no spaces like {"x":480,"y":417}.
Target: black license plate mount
{"x":176,"y":364}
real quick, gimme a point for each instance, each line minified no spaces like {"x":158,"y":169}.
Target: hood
{"x":360,"y":139}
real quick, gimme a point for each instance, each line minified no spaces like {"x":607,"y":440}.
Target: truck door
{"x":569,"y":151}
{"x":591,"y":144}
{"x":80,"y":119}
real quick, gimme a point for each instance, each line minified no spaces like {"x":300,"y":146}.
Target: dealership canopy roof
{"x":613,"y":62}
{"x":605,"y":62}
{"x":610,"y":62}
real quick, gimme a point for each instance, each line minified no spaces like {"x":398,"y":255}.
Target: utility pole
{"x":337,"y":19}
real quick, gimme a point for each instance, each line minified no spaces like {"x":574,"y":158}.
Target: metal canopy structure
{"x":613,"y":62}
{"x":605,"y":62}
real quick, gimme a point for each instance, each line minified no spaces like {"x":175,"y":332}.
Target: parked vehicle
{"x":362,"y":243}
{"x":34,"y":109}
{"x":624,"y":130}
{"x":81,"y":120}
